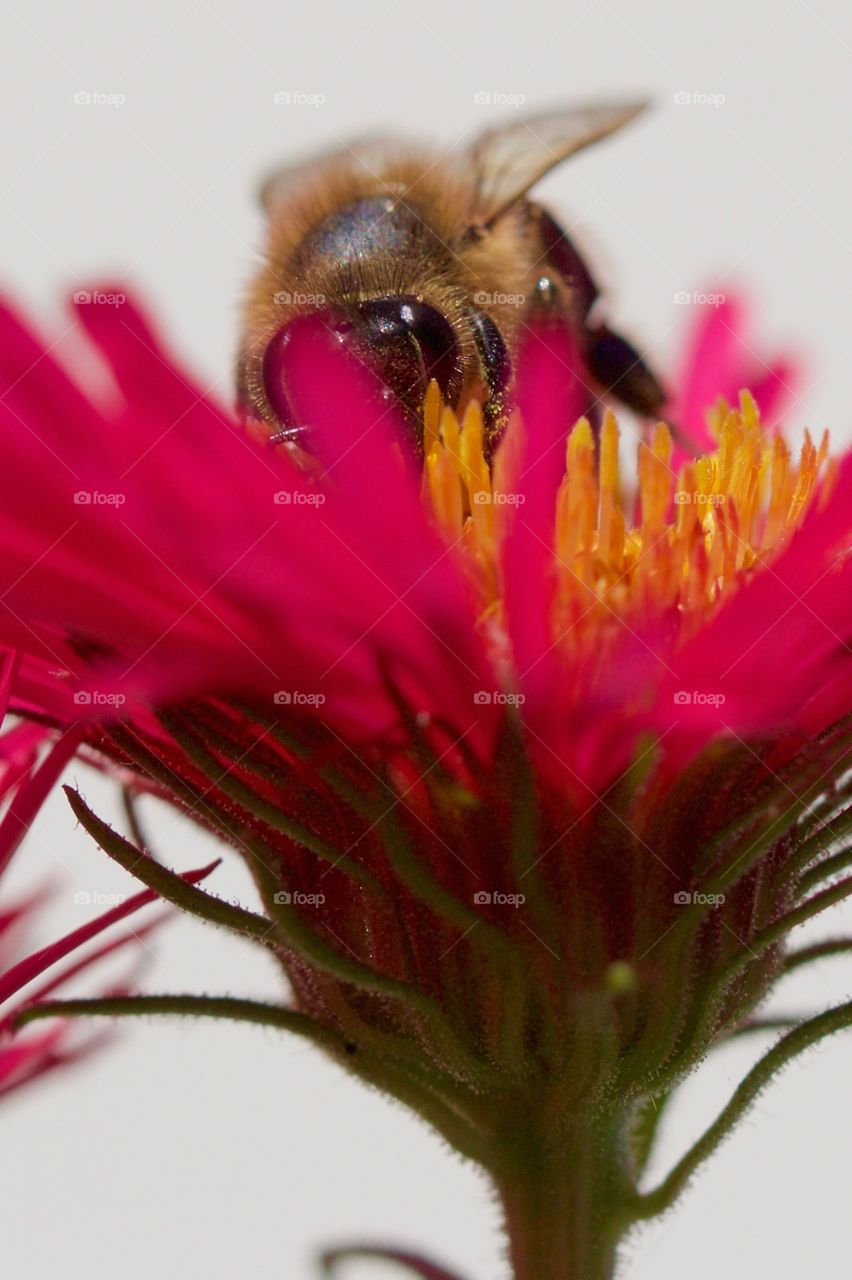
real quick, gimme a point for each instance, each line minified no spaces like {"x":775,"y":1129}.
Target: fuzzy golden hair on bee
{"x":427,"y":264}
{"x":438,"y":257}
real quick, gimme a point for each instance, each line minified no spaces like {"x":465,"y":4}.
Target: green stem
{"x":168,"y":884}
{"x":817,"y":951}
{"x":228,"y":1007}
{"x":433,"y":1099}
{"x":828,"y":833}
{"x":558,"y":1188}
{"x":825,"y":870}
{"x":788,"y":1047}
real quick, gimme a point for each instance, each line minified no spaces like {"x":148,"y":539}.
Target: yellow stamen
{"x":694,"y":538}
{"x":431,"y":417}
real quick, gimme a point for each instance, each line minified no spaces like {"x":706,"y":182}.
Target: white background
{"x":222,"y":1151}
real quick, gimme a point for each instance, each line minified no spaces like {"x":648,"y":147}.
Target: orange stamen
{"x":695,"y":537}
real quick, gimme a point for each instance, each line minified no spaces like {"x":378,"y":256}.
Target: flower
{"x":535,"y":770}
{"x":32,"y":757}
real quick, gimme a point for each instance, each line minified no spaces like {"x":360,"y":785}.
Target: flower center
{"x":670,"y":545}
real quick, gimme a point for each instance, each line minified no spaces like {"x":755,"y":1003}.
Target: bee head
{"x":403,"y":341}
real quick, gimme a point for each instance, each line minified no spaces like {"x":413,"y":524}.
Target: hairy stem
{"x":559,"y":1184}
{"x":788,"y":1047}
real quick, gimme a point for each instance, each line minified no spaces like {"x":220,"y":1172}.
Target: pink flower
{"x":535,"y":769}
{"x":117,"y":549}
{"x":31,"y":759}
{"x":168,"y":555}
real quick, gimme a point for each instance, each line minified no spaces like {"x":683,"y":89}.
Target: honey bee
{"x":428,"y":265}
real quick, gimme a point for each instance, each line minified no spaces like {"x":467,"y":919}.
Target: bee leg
{"x":622,"y":372}
{"x":497,"y":371}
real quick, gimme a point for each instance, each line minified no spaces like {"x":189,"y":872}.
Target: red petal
{"x":23,"y":972}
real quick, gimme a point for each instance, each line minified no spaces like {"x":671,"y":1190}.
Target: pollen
{"x":669,"y":541}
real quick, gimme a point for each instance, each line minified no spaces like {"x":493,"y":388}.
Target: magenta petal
{"x":65,"y":975}
{"x":31,"y":794}
{"x":551,"y":397}
{"x":720,"y":360}
{"x":34,"y":1056}
{"x":18,"y":753}
{"x":220,"y":575}
{"x":19,"y":1060}
{"x":33,"y":965}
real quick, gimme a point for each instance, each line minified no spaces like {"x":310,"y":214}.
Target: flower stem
{"x":558,"y":1194}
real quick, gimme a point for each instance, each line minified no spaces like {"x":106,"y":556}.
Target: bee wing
{"x":370,"y":151}
{"x":508,"y":161}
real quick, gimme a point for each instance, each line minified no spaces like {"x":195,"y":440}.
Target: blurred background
{"x":135,"y":140}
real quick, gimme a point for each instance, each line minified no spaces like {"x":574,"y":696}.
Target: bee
{"x":429,"y":265}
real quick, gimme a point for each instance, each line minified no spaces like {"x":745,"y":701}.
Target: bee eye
{"x":404,"y":341}
{"x":405,"y":331}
